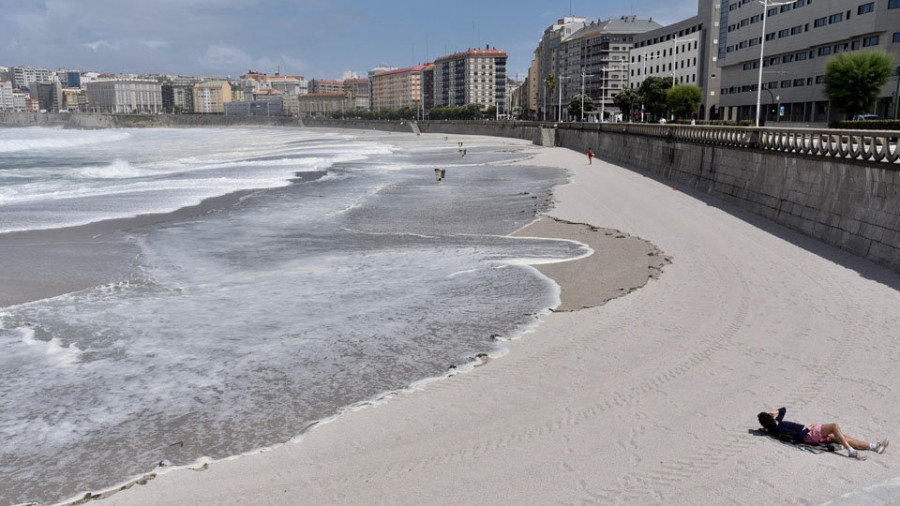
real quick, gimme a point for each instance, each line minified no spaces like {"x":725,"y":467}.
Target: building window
{"x":823,"y":51}
{"x":866,"y":8}
{"x":870,"y":41}
{"x":824,"y":21}
{"x":797,"y":29}
{"x":840,"y":47}
{"x":897,"y":37}
{"x":836,"y":18}
{"x":855,"y":45}
{"x":894,"y":4}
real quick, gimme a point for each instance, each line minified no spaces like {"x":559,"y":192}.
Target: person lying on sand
{"x":816,"y":433}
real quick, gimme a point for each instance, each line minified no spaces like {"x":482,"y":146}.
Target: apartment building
{"x":322,"y":104}
{"x":74,"y":99}
{"x":547,"y":61}
{"x":798,"y":39}
{"x":396,"y":89}
{"x":22,"y":77}
{"x":178,"y":94}
{"x":288,"y":85}
{"x":6,"y":96}
{"x":380,"y":68}
{"x":685,"y":52}
{"x":49,"y":95}
{"x":357,"y":91}
{"x":595,"y":59}
{"x":325,"y":86}
{"x":475,"y":76}
{"x":125,"y":96}
{"x":211,"y":96}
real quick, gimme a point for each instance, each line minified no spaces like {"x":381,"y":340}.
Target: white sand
{"x":646,"y":399}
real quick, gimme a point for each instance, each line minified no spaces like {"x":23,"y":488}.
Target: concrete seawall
{"x":854,"y":206}
{"x":851,"y":204}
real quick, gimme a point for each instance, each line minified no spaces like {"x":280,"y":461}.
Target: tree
{"x":853,"y":81}
{"x":683,"y":99}
{"x":470,"y":111}
{"x":653,"y":95}
{"x":627,"y":101}
{"x":550,"y":84}
{"x":575,"y":106}
{"x":491,"y":112}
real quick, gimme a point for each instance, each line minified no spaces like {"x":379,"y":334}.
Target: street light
{"x":583,"y":75}
{"x":644,"y":76}
{"x":603,"y":84}
{"x":762,"y":46}
{"x":559,"y":104}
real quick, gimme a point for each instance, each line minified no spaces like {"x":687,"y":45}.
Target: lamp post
{"x":644,"y":78}
{"x":762,"y":46}
{"x":559,"y":104}
{"x":583,"y":75}
{"x":603,"y":86}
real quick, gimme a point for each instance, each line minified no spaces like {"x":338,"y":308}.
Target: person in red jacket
{"x":816,"y":433}
{"x":590,"y":155}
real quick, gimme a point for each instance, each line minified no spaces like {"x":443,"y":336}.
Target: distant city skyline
{"x":325,"y":40}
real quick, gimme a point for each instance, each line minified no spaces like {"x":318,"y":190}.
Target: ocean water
{"x":345,"y":272}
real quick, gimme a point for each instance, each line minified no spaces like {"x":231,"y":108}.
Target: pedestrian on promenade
{"x":816,"y":433}
{"x":590,"y":155}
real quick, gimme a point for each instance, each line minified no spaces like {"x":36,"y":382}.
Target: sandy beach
{"x":648,"y":398}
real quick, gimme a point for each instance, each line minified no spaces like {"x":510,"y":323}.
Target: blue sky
{"x":314,"y":38}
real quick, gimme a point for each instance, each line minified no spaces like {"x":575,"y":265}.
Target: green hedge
{"x":877,"y":124}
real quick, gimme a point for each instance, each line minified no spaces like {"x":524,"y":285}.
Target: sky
{"x":318,"y":39}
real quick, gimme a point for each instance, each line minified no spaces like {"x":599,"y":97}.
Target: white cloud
{"x":94,"y":46}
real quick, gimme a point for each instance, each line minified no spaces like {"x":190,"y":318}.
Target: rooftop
{"x":472,"y":53}
{"x":417,"y":68}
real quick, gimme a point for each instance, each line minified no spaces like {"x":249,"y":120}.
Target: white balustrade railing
{"x":859,"y":145}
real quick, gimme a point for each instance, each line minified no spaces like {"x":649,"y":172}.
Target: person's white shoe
{"x":879,"y":448}
{"x":856,"y":455}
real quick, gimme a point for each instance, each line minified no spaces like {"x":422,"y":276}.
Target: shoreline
{"x":607,"y":245}
{"x":621,"y":263}
{"x":646,"y":399}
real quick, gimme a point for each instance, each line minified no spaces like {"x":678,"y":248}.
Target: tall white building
{"x":125,"y":96}
{"x":22,"y":77}
{"x":6,"y":96}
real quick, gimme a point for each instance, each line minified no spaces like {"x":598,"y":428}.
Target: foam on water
{"x":38,"y":138}
{"x":124,"y":174}
{"x":240,"y":329}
